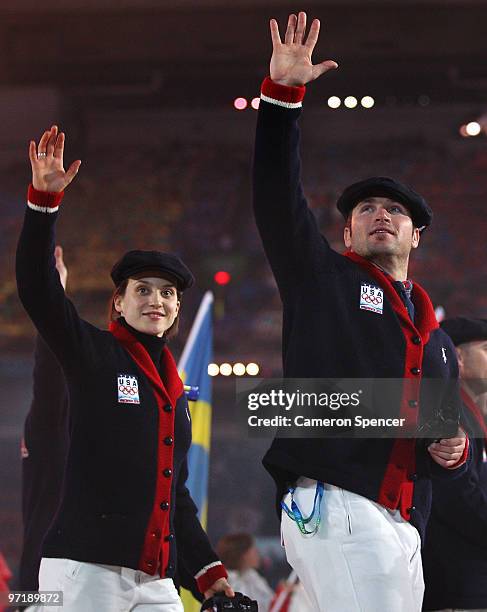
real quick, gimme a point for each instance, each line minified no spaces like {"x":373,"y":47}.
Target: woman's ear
{"x":118,"y":303}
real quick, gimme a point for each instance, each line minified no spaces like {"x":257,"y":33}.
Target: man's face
{"x":381,"y":227}
{"x":472,"y":360}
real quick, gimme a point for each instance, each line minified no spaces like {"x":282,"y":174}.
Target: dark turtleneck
{"x":154,"y":345}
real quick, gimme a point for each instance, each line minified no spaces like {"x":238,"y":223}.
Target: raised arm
{"x":288,"y":229}
{"x":38,"y":280}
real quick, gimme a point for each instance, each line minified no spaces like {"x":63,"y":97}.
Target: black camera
{"x":221,"y":603}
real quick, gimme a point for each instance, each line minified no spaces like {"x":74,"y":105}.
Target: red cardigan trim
{"x":155,"y":551}
{"x":44,"y":199}
{"x":397,"y":488}
{"x":282,"y":93}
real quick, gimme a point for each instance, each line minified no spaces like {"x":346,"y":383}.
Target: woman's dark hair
{"x":232,"y":547}
{"x":113,"y":313}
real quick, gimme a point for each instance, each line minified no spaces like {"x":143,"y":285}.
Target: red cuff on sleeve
{"x":210,"y":576}
{"x":463,"y":458}
{"x":44,"y":199}
{"x":282,"y":95}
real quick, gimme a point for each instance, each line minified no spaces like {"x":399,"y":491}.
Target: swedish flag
{"x":193,"y":369}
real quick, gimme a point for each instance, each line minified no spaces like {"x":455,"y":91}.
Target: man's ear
{"x":416,"y":238}
{"x":347,"y":236}
{"x":460,"y":358}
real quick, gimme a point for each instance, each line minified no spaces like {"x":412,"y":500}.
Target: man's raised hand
{"x":291,"y":60}
{"x":46,"y":159}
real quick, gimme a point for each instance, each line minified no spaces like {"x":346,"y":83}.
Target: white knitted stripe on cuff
{"x":43,"y":209}
{"x":280,"y":102}
{"x":206,"y":568}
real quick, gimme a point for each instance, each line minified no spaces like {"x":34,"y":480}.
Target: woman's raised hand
{"x":291,"y":60}
{"x":46,"y":159}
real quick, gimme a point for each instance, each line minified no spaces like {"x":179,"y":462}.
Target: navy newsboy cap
{"x":382,"y":186}
{"x":134,"y":262}
{"x":465,"y":329}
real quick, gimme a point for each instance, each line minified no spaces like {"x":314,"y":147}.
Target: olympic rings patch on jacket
{"x":128,"y":389}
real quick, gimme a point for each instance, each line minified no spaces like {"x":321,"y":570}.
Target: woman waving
{"x":112,"y":544}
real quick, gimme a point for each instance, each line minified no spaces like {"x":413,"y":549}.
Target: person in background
{"x":240,"y":556}
{"x":43,"y":452}
{"x":455,"y":552}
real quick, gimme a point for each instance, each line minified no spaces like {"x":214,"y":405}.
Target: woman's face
{"x":149,"y":304}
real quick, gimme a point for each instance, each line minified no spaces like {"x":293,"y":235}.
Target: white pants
{"x":90,"y":587}
{"x":364,"y":558}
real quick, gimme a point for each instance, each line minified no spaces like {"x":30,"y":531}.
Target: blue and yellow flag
{"x":193,"y":369}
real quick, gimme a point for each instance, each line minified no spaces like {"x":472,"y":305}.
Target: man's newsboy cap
{"x":382,"y":186}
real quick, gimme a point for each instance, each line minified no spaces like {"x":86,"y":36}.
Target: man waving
{"x":371,"y":498}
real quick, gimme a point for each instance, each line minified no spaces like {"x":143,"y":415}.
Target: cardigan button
{"x":167,"y":408}
{"x":168,"y":441}
{"x":416,"y":340}
{"x":170,"y":567}
{"x":169,"y":538}
{"x":167,"y":472}
{"x":156,"y":534}
{"x":413,"y":477}
{"x":415,"y":371}
{"x":164,"y":505}
{"x":412,"y":509}
{"x":413,"y":403}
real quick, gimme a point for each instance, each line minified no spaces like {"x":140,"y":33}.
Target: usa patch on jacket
{"x":128,"y":389}
{"x":371,"y":298}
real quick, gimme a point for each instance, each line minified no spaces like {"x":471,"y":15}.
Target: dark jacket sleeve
{"x":462,"y":502}
{"x":451,"y":411}
{"x":40,"y":289}
{"x":193,"y":545}
{"x":290,"y":235}
{"x":184,"y":579}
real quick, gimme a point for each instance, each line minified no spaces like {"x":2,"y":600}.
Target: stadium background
{"x":144,"y":90}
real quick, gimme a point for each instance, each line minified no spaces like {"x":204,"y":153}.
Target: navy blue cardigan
{"x":124,"y":499}
{"x":327,"y":335}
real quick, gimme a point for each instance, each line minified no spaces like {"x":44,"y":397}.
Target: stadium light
{"x":334,"y":101}
{"x":252,"y":369}
{"x":225,"y":369}
{"x":350,"y":102}
{"x":367,"y":102}
{"x":240,"y":103}
{"x":222,"y":278}
{"x":213,"y":369}
{"x":239,"y":369}
{"x":473,"y":128}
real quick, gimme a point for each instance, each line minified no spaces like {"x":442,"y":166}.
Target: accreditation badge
{"x":371,"y":298}
{"x":128,"y":389}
